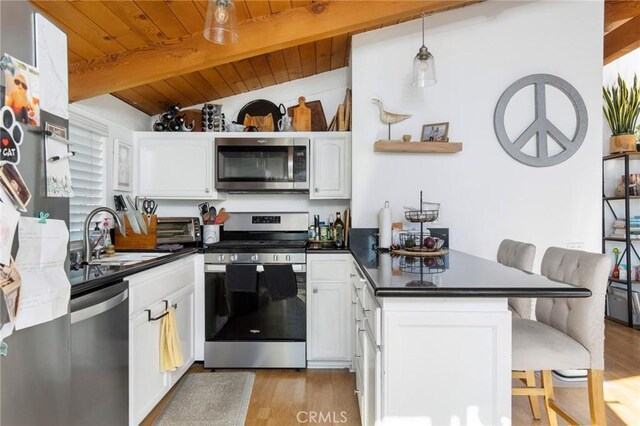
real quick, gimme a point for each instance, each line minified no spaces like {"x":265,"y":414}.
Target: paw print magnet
{"x":11,"y":135}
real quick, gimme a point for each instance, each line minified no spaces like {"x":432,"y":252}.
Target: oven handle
{"x":298,"y":268}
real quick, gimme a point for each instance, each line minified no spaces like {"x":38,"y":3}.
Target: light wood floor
{"x":279,"y":395}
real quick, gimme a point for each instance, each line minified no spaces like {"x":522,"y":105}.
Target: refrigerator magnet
{"x":11,"y":136}
{"x":12,"y":182}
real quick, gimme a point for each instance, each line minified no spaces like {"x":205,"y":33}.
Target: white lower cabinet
{"x":367,"y":356}
{"x":412,"y":356}
{"x":372,"y":381}
{"x":147,"y":384}
{"x":150,"y":293}
{"x":328,"y":310}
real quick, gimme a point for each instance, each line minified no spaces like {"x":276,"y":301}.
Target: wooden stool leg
{"x":547,"y":384}
{"x":530,"y":381}
{"x":596,"y":397}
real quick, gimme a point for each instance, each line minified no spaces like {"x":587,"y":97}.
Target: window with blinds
{"x":88,"y":140}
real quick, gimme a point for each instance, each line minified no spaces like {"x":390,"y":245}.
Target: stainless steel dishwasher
{"x":100,"y":356}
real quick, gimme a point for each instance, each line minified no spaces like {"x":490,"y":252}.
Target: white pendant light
{"x":220,"y":25}
{"x":424,"y":66}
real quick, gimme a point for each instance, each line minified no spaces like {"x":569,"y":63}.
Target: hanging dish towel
{"x":170,"y":350}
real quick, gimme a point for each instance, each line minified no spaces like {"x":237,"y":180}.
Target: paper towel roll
{"x":384,"y":227}
{"x":385,"y":269}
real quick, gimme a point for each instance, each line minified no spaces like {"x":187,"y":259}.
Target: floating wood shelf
{"x":426,"y":147}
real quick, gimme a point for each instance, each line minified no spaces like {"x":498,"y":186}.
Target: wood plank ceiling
{"x":621,"y":28}
{"x":123,"y":47}
{"x":109,"y":30}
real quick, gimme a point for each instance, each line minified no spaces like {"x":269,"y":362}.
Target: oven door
{"x":236,"y":316}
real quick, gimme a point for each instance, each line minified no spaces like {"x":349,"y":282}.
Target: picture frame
{"x":435,"y":132}
{"x":122,"y":166}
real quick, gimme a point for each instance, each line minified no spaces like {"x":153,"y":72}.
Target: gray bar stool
{"x":568,"y":333}
{"x":516,"y":254}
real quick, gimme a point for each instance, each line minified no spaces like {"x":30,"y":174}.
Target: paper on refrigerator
{"x":45,"y":288}
{"x":8,"y":222}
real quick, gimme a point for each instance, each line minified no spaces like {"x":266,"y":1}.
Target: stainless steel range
{"x":255,"y":292}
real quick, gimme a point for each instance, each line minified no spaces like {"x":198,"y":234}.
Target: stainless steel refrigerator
{"x":35,"y":375}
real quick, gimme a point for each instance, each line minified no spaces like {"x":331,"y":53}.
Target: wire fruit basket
{"x":428,"y":213}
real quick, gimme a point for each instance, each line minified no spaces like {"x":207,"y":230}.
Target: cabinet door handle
{"x":356,"y":392}
{"x":315,"y":290}
{"x":207,"y":190}
{"x":360,"y":330}
{"x":317,"y":190}
{"x":352,"y":275}
{"x":367,"y":310}
{"x":353,"y":302}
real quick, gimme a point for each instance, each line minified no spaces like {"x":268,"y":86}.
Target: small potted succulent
{"x":621,"y":109}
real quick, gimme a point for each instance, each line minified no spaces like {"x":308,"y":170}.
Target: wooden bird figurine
{"x":390,"y":118}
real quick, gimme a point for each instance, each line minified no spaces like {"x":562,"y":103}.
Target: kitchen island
{"x":432,"y":336}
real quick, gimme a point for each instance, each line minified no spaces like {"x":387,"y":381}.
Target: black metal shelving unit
{"x":629,"y":247}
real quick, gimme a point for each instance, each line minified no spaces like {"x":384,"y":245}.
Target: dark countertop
{"x":93,"y":277}
{"x":455,"y":274}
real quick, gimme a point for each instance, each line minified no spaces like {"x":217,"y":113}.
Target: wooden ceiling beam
{"x":320,"y":20}
{"x":622,"y":40}
{"x":617,"y":12}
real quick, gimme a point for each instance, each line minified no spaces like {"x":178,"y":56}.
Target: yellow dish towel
{"x":170,"y":349}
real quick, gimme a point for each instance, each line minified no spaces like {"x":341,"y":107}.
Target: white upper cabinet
{"x":330,"y":166}
{"x":177,"y":166}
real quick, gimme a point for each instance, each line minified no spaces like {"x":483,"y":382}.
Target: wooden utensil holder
{"x":139,"y":241}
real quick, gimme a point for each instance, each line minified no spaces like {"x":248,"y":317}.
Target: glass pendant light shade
{"x":424,"y":66}
{"x":221,"y":24}
{"x":424,"y":69}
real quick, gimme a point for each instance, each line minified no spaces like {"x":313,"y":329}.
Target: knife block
{"x":138,"y":241}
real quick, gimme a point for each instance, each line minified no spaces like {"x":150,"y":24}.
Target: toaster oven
{"x":178,"y":230}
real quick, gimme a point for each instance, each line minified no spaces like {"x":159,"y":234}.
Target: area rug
{"x":209,"y":399}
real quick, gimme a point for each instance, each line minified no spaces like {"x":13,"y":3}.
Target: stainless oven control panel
{"x":258,"y":258}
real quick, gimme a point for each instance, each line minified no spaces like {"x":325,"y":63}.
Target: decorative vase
{"x":622,"y":143}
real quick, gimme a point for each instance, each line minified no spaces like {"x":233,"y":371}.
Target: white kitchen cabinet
{"x":330,"y":166}
{"x":149,"y":384}
{"x":176,"y":166}
{"x":372,"y":380}
{"x":150,"y":293}
{"x":183,"y":302}
{"x":328,"y":310}
{"x":367,"y":357}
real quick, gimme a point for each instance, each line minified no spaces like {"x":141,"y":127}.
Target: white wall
{"x":485,"y":194}
{"x":121,"y":119}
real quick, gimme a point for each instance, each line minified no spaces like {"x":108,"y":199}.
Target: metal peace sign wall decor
{"x":541,"y":127}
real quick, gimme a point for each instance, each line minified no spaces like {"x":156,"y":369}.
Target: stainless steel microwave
{"x":262,"y":164}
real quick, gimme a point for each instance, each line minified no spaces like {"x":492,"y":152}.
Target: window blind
{"x":88,"y":140}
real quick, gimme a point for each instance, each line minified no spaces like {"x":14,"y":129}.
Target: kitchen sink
{"x":127,"y":258}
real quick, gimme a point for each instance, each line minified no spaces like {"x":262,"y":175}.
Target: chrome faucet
{"x":87,"y":244}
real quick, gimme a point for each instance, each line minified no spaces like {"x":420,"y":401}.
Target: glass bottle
{"x":338,"y":231}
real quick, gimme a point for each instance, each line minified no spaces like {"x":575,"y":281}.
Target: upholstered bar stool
{"x":516,"y":254}
{"x":568,"y":333}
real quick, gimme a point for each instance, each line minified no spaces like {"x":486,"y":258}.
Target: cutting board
{"x":318,"y":119}
{"x":264,"y":123}
{"x":301,"y":116}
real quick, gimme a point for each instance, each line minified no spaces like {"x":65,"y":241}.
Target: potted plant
{"x":621,"y":108}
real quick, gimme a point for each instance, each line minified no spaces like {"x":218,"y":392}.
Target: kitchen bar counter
{"x":92,"y":277}
{"x":455,"y":274}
